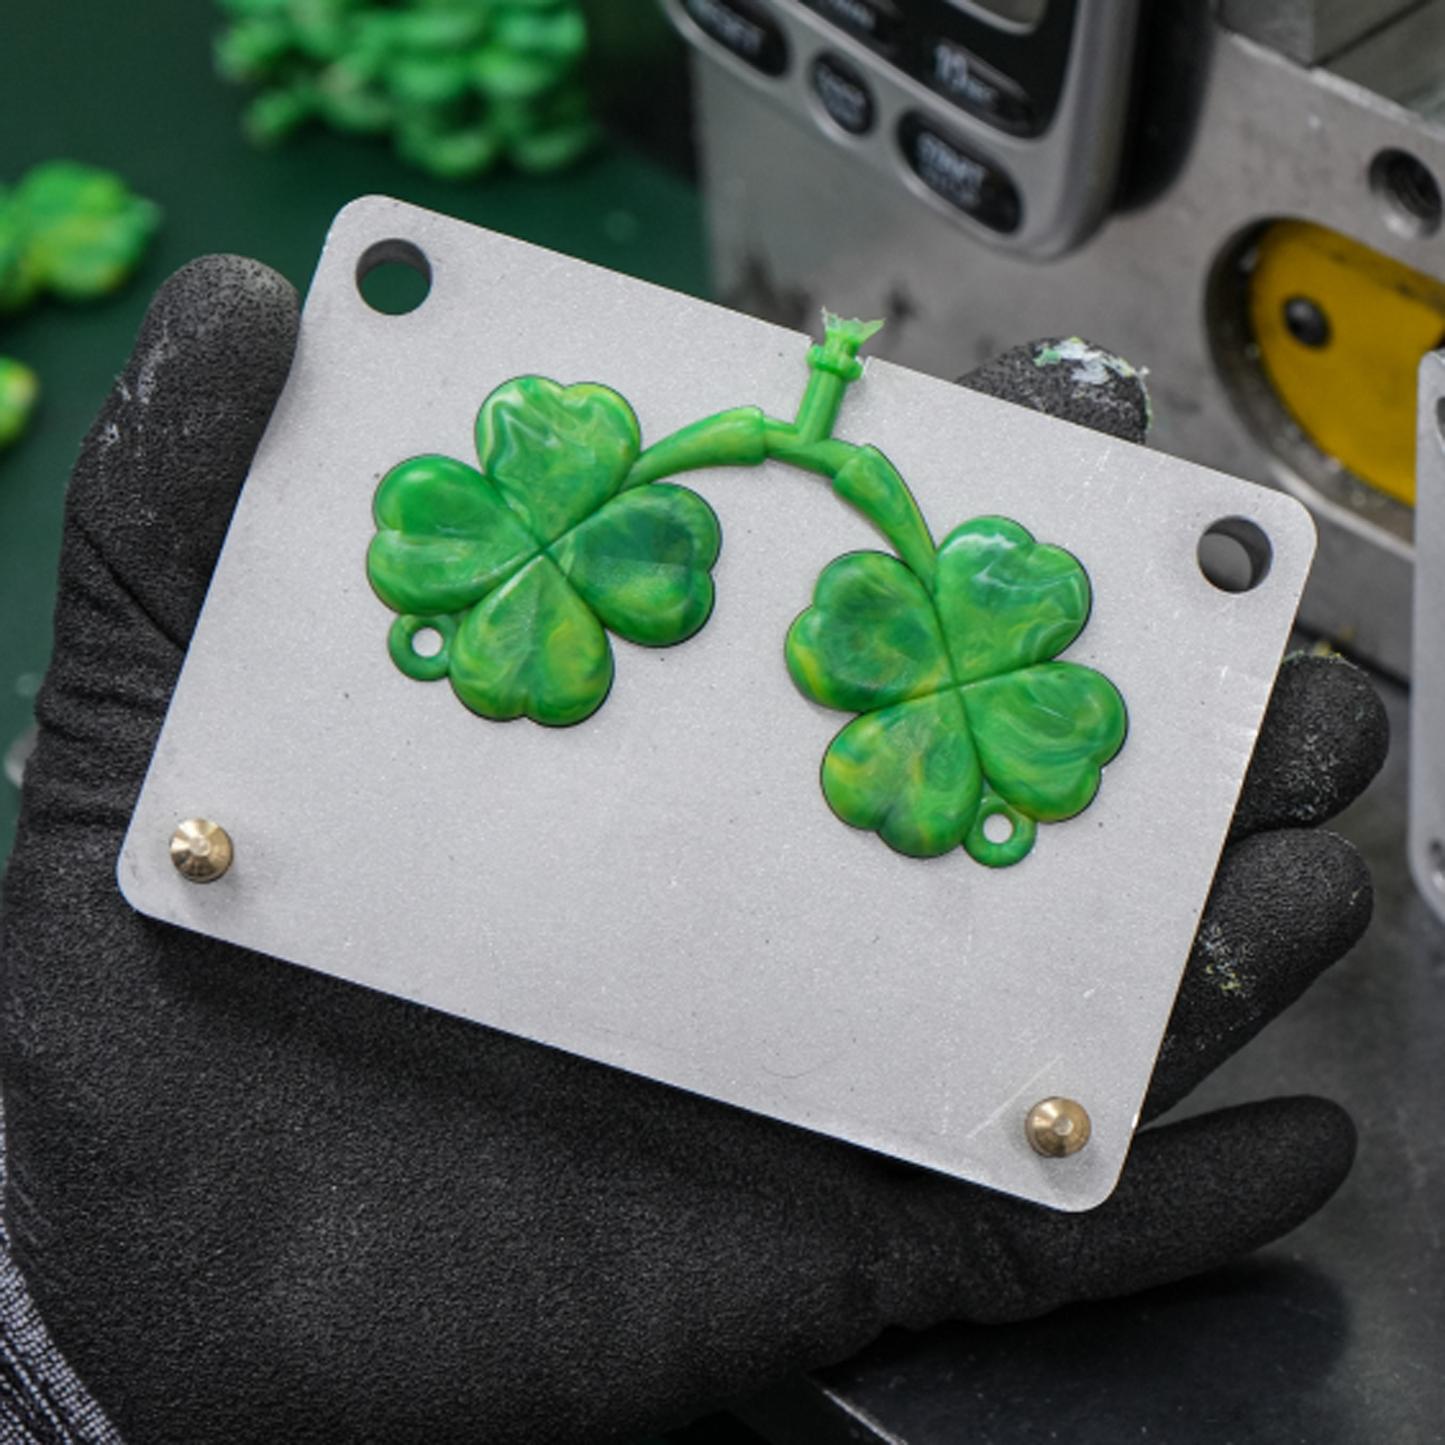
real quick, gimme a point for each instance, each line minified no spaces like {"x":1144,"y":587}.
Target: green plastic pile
{"x":460,"y":85}
{"x":71,"y":231}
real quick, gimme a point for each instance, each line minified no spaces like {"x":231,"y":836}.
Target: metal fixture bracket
{"x":1427,"y":685}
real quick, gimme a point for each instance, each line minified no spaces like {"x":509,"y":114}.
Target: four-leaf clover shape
{"x":964,"y":714}
{"x":522,"y":567}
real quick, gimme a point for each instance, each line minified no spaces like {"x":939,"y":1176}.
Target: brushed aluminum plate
{"x":663,"y":887}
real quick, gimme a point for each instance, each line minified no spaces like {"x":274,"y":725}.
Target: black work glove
{"x":255,"y":1203}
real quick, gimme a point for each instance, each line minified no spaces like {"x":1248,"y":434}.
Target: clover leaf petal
{"x":444,"y":539}
{"x":532,"y":648}
{"x":643,"y":563}
{"x":1006,"y":601}
{"x":908,"y":772}
{"x":870,"y":639}
{"x":1043,"y":734}
{"x":555,"y":453}
{"x":519,"y":567}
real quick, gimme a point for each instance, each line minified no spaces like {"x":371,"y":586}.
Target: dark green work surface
{"x":131,"y":87}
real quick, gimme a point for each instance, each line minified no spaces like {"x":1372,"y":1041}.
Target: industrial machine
{"x":1242,"y":198}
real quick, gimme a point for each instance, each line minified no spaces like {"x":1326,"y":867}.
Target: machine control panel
{"x":878,"y":22}
{"x":960,"y":76}
{"x":843,"y":92}
{"x":1007,"y":115}
{"x":966,"y":181}
{"x":744,"y":30}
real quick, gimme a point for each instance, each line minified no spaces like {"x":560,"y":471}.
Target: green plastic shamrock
{"x":72,"y":230}
{"x":964,"y":716}
{"x":519,"y":567}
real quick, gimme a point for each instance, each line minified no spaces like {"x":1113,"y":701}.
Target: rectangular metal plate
{"x":1427,"y":674}
{"x":663,"y":887}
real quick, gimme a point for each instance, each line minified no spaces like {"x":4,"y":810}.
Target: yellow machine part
{"x":1341,"y":330}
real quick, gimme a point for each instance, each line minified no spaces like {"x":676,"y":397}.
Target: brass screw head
{"x":1057,"y":1128}
{"x":201,"y":850}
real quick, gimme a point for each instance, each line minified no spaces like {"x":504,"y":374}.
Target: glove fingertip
{"x":160,"y":470}
{"x":1325,"y":1142}
{"x":1286,"y":905}
{"x":1072,"y":380}
{"x":1324,"y":738}
{"x":1193,"y":1196}
{"x":1199,"y":1193}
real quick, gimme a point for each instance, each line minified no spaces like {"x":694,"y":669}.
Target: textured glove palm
{"x":254,"y":1203}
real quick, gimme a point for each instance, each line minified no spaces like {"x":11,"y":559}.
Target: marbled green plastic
{"x":540,"y":553}
{"x":947,"y":654}
{"x":72,"y":231}
{"x":959,"y":695}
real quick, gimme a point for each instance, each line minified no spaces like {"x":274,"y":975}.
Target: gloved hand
{"x":255,"y":1203}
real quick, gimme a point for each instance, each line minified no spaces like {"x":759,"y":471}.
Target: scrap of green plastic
{"x":71,"y":229}
{"x":19,"y":391}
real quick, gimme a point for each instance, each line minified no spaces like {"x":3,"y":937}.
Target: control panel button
{"x":979,"y":89}
{"x":745,"y":29}
{"x":965,"y":180}
{"x":844,"y":93}
{"x":878,"y":21}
